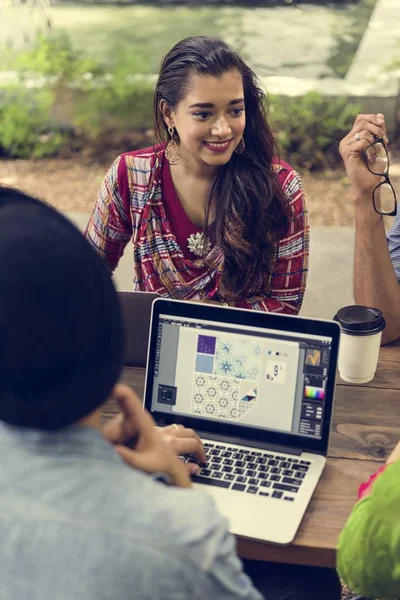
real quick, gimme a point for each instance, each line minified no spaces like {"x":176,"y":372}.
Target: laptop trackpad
{"x":258,"y":517}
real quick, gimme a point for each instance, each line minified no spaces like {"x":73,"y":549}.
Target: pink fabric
{"x":180,"y":223}
{"x":365,"y":488}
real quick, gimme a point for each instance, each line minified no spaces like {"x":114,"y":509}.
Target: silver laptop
{"x":259,"y":389}
{"x":136,"y":314}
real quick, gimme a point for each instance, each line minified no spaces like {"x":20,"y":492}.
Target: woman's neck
{"x":193,"y":192}
{"x":195,"y":169}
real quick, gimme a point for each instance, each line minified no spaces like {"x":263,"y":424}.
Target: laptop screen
{"x":266,"y":379}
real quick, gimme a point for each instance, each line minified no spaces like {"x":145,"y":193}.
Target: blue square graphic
{"x":206,"y":344}
{"x":204,"y":363}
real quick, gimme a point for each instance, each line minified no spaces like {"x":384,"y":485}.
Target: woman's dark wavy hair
{"x":252,"y":214}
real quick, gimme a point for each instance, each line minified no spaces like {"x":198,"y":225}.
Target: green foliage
{"x":309,"y":128}
{"x":119,"y":102}
{"x":25,"y":129}
{"x":92,"y":97}
{"x":114,"y":101}
{"x":54,"y":57}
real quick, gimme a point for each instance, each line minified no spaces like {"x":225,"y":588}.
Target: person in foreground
{"x":377,"y":257}
{"x":75,"y":521}
{"x":83,"y":514}
{"x":368,"y":556}
{"x":213,"y":214}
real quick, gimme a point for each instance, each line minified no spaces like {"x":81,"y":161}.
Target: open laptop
{"x":136,"y":314}
{"x":259,"y":389}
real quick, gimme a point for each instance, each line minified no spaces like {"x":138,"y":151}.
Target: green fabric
{"x":368,"y":555}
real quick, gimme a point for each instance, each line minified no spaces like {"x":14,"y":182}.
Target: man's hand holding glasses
{"x":365,"y":155}
{"x":376,"y":159}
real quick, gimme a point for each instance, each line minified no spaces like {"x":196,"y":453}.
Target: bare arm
{"x":375,"y":281}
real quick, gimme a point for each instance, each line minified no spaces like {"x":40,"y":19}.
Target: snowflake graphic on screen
{"x":215,"y":396}
{"x":198,"y":398}
{"x":240,"y":359}
{"x":220,"y":398}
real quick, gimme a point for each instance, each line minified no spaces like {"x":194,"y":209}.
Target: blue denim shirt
{"x":393,"y":238}
{"x":76,"y":523}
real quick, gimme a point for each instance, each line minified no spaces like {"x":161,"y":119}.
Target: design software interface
{"x":248,"y":376}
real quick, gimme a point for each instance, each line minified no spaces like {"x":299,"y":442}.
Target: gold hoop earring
{"x":172,"y":151}
{"x":241,"y":147}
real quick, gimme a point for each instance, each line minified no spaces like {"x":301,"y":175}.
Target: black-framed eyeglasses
{"x":377,"y":162}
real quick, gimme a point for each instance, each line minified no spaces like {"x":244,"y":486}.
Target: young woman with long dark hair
{"x":213,"y":214}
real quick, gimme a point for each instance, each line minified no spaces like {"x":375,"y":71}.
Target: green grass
{"x":146,"y":32}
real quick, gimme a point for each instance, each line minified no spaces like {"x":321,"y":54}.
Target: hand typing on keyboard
{"x":185,"y":442}
{"x":252,"y":471}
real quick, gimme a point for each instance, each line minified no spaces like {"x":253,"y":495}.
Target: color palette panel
{"x":314,"y":393}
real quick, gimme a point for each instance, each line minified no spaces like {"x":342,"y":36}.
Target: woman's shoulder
{"x":280,"y":165}
{"x":139,"y":168}
{"x":288,"y":178}
{"x":144,"y":158}
{"x":135,"y":173}
{"x":284,"y":171}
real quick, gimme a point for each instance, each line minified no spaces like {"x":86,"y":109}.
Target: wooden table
{"x":366,"y":427}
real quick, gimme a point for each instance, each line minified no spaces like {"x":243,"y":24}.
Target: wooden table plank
{"x":366,"y":422}
{"x":132,"y":376}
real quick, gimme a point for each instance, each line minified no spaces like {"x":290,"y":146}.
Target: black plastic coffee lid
{"x":360,"y":320}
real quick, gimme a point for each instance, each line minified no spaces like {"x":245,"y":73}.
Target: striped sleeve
{"x":110,"y":226}
{"x":289,"y":275}
{"x":393,"y":239}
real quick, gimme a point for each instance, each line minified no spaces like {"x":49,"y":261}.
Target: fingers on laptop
{"x":184,"y":441}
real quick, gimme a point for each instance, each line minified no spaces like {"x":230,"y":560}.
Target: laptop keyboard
{"x":252,"y":472}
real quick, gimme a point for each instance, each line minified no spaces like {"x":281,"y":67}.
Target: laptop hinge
{"x":320,"y":452}
{"x":206,"y":435}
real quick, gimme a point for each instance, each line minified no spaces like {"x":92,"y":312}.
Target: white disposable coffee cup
{"x":360,"y":341}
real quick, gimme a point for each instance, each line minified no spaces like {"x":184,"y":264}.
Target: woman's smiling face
{"x":210,"y":120}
